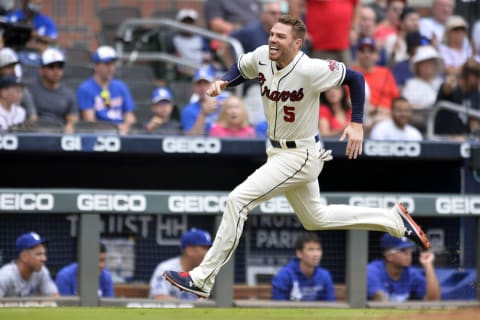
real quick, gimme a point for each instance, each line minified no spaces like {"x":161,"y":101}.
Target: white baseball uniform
{"x":13,"y":285}
{"x":291,"y":99}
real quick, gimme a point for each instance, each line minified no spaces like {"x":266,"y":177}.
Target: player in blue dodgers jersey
{"x":291,"y":84}
{"x":302,"y":279}
{"x":393,"y":278}
{"x":103,"y":98}
{"x":67,"y":277}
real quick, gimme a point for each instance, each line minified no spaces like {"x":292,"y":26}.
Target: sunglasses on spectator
{"x":57,"y":65}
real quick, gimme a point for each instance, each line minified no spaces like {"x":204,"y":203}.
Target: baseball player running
{"x":291,"y":83}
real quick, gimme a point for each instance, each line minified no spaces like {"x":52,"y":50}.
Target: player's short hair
{"x":298,"y":27}
{"x":103,"y":248}
{"x":399,"y":99}
{"x":306,"y":237}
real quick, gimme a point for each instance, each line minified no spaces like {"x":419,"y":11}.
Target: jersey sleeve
{"x":248,"y":62}
{"x":158,"y":284}
{"x":85,"y":98}
{"x":417,"y":285}
{"x":329,"y":287}
{"x":326,"y":73}
{"x":374,"y":283}
{"x":106,"y":284}
{"x":281,"y":284}
{"x":47,"y":287}
{"x":4,"y":281}
{"x":64,"y":285}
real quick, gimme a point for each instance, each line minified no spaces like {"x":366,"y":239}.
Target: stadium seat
{"x":77,"y":55}
{"x":111,"y":18}
{"x":77,"y":71}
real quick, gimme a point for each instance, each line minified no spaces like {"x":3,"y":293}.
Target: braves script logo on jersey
{"x":294,"y":95}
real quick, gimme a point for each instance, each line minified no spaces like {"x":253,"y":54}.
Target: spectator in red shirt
{"x":335,"y":112}
{"x":391,"y":24}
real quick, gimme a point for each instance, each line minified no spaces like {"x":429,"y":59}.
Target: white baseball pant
{"x":293,"y":172}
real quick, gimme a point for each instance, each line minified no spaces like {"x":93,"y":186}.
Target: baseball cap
{"x":195,"y":237}
{"x":162,"y":94}
{"x":389,"y":242}
{"x":104,"y":54}
{"x":52,"y":55}
{"x":10,"y":80}
{"x":204,"y":73}
{"x":414,"y":39}
{"x":7,"y":57}
{"x":366,"y":42}
{"x":454,"y":22}
{"x":187,"y":13}
{"x":425,"y":53}
{"x":28,"y":241}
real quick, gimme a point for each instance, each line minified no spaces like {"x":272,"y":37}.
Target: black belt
{"x":289,"y":144}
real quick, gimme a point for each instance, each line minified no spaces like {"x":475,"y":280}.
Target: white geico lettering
{"x":26,"y":201}
{"x":395,"y":149}
{"x":458,"y":205}
{"x":71,"y":143}
{"x":107,"y":144}
{"x":382,"y":201}
{"x":111,"y":202}
{"x":8,"y":142}
{"x":191,"y":145}
{"x":210,"y":204}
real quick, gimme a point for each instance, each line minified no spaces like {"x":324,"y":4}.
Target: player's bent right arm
{"x":231,"y":78}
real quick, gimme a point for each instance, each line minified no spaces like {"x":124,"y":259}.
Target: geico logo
{"x":211,"y":204}
{"x":457,"y":205}
{"x":71,"y":143}
{"x":8,"y":142}
{"x":465,"y":150}
{"x":191,"y":145}
{"x":396,"y":149}
{"x":26,"y":201}
{"x":382,"y":202}
{"x":276,"y":205}
{"x":111,"y":202}
{"x":107,"y":144}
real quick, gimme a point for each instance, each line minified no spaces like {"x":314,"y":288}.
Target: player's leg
{"x":305,"y":201}
{"x":282,"y":171}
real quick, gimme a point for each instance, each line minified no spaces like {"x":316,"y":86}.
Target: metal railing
{"x":125,"y":30}
{"x":446,"y":105}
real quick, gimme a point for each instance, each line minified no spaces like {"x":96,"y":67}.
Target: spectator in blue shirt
{"x":44,"y":30}
{"x":198,"y":116}
{"x":103,"y":98}
{"x":302,"y":279}
{"x":393,"y":279}
{"x":67,"y":277}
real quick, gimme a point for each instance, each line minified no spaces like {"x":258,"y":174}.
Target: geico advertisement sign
{"x":112,"y":202}
{"x":191,"y":145}
{"x":216,"y":204}
{"x":382,"y":201}
{"x":26,"y":201}
{"x":458,"y":205}
{"x":392,"y":149}
{"x":8,"y":142}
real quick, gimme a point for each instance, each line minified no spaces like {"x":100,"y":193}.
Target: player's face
{"x":102,"y":259}
{"x":282,"y":45}
{"x":310,"y":255}
{"x":53,"y":72}
{"x":196,"y":254}
{"x":400,"y":258}
{"x":35,"y":257}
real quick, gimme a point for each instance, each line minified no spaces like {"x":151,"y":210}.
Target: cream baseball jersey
{"x":291,"y":95}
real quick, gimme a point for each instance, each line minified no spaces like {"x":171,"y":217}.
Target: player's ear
{"x":298,"y":43}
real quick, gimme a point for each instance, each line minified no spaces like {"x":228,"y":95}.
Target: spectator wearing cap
{"x":379,"y":79}
{"x":198,"y":116}
{"x":56,"y":103}
{"x":422,"y":90}
{"x":194,"y":244}
{"x":395,"y":44}
{"x":393,"y":278}
{"x":27,"y":276}
{"x":11,"y":113}
{"x":453,"y":50}
{"x":44,"y":30}
{"x":104,"y":98}
{"x":162,"y":108}
{"x":10,"y":65}
{"x":67,"y":277}
{"x":463,"y":91}
{"x":190,"y":46}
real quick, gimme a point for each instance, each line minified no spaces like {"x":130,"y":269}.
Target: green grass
{"x":76,"y":313}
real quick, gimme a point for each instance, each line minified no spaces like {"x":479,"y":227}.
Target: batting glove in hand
{"x":325,"y":155}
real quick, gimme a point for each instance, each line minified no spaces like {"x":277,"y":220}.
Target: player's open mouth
{"x":273,"y":49}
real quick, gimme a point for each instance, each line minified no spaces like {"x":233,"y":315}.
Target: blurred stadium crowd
{"x":411,"y":59}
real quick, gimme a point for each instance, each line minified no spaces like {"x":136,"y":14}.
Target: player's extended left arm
{"x":354,"y":132}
